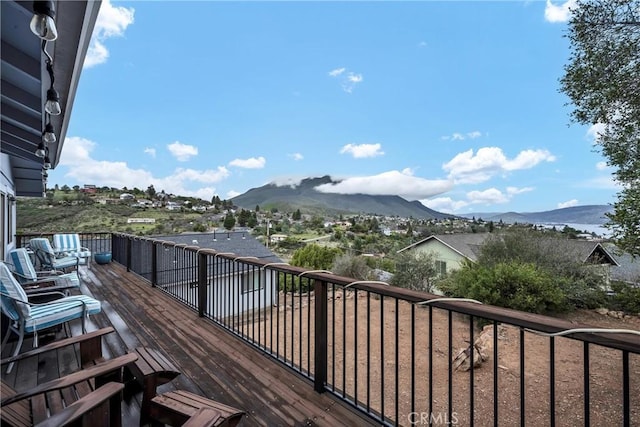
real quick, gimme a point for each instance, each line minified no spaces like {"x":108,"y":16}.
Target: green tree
{"x":229,"y":221}
{"x":315,"y":257}
{"x":151,"y":192}
{"x":297,"y":215}
{"x":415,"y":270}
{"x":601,"y":80}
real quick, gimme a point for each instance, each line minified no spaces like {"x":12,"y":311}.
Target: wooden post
{"x":320,"y":338}
{"x":202,"y":283}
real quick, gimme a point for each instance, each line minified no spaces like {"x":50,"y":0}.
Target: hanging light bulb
{"x":47,"y":162}
{"x":52,"y":105}
{"x":40,"y":151}
{"x":48,"y":135}
{"x":43,"y":23}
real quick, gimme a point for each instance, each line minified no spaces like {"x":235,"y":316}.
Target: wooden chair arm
{"x":59,"y":344}
{"x":74,"y":378}
{"x":204,"y":417}
{"x":76,"y":410}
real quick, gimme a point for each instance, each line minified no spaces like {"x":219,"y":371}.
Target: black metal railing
{"x":96,"y":242}
{"x":404,"y":357}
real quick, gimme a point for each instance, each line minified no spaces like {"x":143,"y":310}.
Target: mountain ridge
{"x":304,"y":196}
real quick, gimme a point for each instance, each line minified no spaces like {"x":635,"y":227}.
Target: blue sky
{"x":455,"y":104}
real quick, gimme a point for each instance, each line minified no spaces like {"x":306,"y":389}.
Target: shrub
{"x":415,"y":270}
{"x":351,"y":266}
{"x":514,"y":284}
{"x":625,"y":298}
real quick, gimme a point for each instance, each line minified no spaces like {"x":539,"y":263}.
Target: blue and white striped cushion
{"x":12,"y":293}
{"x":66,"y":242}
{"x":59,"y":311}
{"x":22,"y":263}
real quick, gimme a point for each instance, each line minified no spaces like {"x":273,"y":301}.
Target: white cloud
{"x":559,"y":13}
{"x":444,"y":204}
{"x":489,"y":161}
{"x":512,"y":191}
{"x":296,"y":156}
{"x":232,"y":193}
{"x":112,"y":21}
{"x":76,"y":156}
{"x":354,"y":78}
{"x":601,"y":166}
{"x":485,"y":197}
{"x":489,"y":196}
{"x":459,"y":136}
{"x":150,"y":151}
{"x":361,"y":151}
{"x":568,"y":203}
{"x":182,"y":152}
{"x":475,"y":134}
{"x":604,"y":182}
{"x":595,"y":131}
{"x":422,"y":44}
{"x":400,"y":183}
{"x":348,"y":80}
{"x":250,"y":163}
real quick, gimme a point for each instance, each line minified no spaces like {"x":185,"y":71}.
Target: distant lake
{"x":599,"y":229}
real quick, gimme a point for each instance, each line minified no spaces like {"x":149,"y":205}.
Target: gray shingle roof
{"x":241,"y":243}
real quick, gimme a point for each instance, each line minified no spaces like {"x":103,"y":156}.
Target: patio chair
{"x":69,"y":245}
{"x":48,"y":258}
{"x":24,"y":270}
{"x":89,"y":396}
{"x":26,"y":317}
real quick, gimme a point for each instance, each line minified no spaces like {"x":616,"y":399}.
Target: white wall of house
{"x":7,"y":207}
{"x":452,"y":260}
{"x":242,"y":292}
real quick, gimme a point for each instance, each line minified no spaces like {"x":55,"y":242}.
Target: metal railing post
{"x":129,"y":244}
{"x":154,"y":264}
{"x":320,"y":337}
{"x":202,"y":283}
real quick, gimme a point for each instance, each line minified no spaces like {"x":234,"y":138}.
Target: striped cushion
{"x":44,"y":251}
{"x":59,"y":311}
{"x":22,"y":263}
{"x":12,"y":291}
{"x":66,"y":242}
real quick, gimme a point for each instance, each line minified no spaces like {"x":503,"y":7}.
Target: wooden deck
{"x":213,"y":362}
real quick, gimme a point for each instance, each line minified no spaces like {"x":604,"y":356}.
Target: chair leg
{"x":17,"y":349}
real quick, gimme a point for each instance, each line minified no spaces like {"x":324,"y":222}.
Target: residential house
{"x":451,"y":250}
{"x":250,"y":295}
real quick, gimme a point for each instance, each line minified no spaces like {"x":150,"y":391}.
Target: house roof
{"x":238,"y":242}
{"x":25,"y":81}
{"x":466,"y":244}
{"x":469,"y":245}
{"x":628,"y":268}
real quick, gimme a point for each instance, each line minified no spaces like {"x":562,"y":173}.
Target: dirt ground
{"x":364,"y":334}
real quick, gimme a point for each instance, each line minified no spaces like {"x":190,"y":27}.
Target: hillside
{"x":588,"y":214}
{"x":305,"y":197}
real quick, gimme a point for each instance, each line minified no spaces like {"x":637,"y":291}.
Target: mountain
{"x":588,"y":214}
{"x":305,"y":197}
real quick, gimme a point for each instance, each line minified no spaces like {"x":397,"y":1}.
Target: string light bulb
{"x":48,"y":135}
{"x":41,"y":150}
{"x":52,"y":105}
{"x":43,"y":22}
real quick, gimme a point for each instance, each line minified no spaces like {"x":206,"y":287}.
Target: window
{"x":441,"y":268}
{"x":251,"y":281}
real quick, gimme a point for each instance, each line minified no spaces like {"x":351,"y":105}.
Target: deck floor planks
{"x":223,"y":367}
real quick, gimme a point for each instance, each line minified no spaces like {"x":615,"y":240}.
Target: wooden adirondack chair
{"x":90,"y":396}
